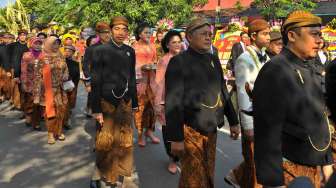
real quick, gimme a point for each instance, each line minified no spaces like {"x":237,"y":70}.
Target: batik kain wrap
{"x":36,"y":114}
{"x":27,"y":105}
{"x":292,"y":171}
{"x":55,"y":124}
{"x":198,"y":161}
{"x":2,"y":80}
{"x":114,"y":142}
{"x":15,"y":93}
{"x":333,"y":147}
{"x":145,"y":116}
{"x":72,"y":96}
{"x":245,"y":173}
{"x":7,"y":87}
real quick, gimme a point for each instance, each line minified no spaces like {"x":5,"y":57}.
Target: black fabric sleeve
{"x":4,"y":57}
{"x":269,"y":106}
{"x":132,"y":85}
{"x":96,"y":84}
{"x":18,"y":58}
{"x":10,"y":51}
{"x":76,"y":76}
{"x":17,"y":66}
{"x":233,"y":56}
{"x":87,"y":62}
{"x":331,"y":89}
{"x":6,"y":64}
{"x":229,"y":110}
{"x":174,"y":108}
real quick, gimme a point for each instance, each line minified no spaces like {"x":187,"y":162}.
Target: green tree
{"x":280,"y":8}
{"x":14,"y":17}
{"x":88,"y":12}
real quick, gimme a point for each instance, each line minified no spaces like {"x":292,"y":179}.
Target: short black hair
{"x":285,"y":39}
{"x":141,"y":27}
{"x":88,"y":40}
{"x":243,"y":33}
{"x":166,"y":39}
{"x":54,"y":35}
{"x":43,"y":34}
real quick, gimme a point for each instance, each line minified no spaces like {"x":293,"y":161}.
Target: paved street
{"x":27,"y":161}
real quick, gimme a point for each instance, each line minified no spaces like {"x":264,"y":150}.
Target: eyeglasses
{"x":204,"y":34}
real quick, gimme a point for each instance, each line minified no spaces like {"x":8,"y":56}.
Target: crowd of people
{"x":285,"y":83}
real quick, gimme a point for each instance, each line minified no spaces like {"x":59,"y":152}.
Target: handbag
{"x":68,"y":85}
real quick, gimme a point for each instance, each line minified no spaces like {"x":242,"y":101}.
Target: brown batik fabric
{"x":245,"y":173}
{"x":292,"y":170}
{"x":7,"y":87}
{"x":60,"y":74}
{"x":15,"y":94}
{"x":114,"y":142}
{"x":55,"y":124}
{"x":198,"y":161}
{"x":145,"y":116}
{"x":2,"y":80}
{"x":27,"y":106}
{"x":72,"y":96}
{"x":36,"y":115}
{"x":333,"y":147}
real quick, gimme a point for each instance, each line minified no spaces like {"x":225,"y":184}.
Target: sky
{"x":3,"y":3}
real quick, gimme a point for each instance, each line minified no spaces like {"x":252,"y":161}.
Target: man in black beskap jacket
{"x":3,"y":63}
{"x":292,"y":135}
{"x":195,"y":104}
{"x":114,"y":96}
{"x":104,"y":33}
{"x":15,"y":52}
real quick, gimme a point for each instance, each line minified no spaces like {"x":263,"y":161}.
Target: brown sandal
{"x":51,"y":139}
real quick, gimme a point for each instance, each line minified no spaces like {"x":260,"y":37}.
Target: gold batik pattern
{"x":198,"y":161}
{"x":333,"y":147}
{"x":55,"y":125}
{"x":145,"y":116}
{"x":292,"y":170}
{"x":245,"y":173}
{"x":114,"y":142}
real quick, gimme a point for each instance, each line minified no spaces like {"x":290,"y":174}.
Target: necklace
{"x":331,"y":129}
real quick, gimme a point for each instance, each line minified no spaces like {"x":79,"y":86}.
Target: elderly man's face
{"x":104,"y":36}
{"x":200,"y":39}
{"x":275,"y":46}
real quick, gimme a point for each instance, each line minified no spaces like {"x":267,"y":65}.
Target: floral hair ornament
{"x":165,"y":24}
